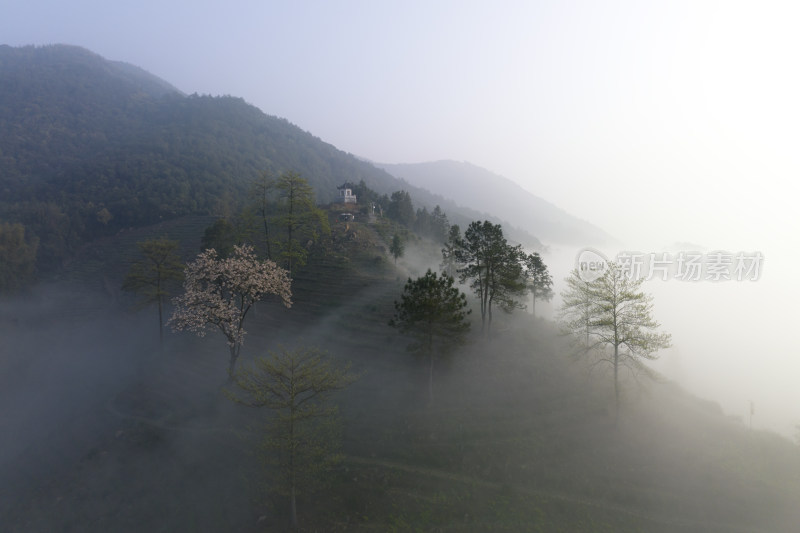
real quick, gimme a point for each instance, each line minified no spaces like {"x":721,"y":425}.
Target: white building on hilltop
{"x":346,"y":196}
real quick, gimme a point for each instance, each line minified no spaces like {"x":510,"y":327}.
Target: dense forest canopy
{"x":89,"y":147}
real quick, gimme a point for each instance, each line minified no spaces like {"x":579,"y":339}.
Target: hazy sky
{"x":587,"y":104}
{"x":660,"y":122}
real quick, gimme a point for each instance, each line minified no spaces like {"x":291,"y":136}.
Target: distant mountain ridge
{"x":480,"y":189}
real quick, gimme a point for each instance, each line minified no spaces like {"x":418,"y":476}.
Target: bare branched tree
{"x":613,"y":318}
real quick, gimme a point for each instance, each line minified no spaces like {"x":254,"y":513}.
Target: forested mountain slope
{"x":89,"y":147}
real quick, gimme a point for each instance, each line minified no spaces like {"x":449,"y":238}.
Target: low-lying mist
{"x":104,"y":429}
{"x":731,"y":340}
{"x":86,"y":396}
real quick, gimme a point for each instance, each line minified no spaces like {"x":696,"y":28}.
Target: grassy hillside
{"x":108,"y":431}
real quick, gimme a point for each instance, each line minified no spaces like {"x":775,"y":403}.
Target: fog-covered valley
{"x":107,"y":430}
{"x":319,"y":370}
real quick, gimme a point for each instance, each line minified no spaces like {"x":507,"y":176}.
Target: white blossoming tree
{"x":218,"y":293}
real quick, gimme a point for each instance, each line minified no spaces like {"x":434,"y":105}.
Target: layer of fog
{"x":88,"y":401}
{"x":732,"y":340}
{"x":105,"y":431}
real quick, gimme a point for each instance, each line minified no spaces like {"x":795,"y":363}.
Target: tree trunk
{"x":232,"y":363}
{"x":292,"y":479}
{"x":430,"y":369}
{"x":289,"y":228}
{"x":616,"y":384}
{"x":292,"y":510}
{"x":266,"y":235}
{"x":484,"y":299}
{"x":430,"y":381}
{"x":489,"y":312}
{"x":160,"y":322}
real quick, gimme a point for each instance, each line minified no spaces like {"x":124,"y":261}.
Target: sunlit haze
{"x":667,"y":124}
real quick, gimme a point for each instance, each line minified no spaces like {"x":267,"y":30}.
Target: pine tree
{"x":397,"y":248}
{"x":434,"y":313}
{"x":493,"y":268}
{"x":150,"y":276}
{"x":538,"y":279}
{"x":303,"y":438}
{"x":298,"y":217}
